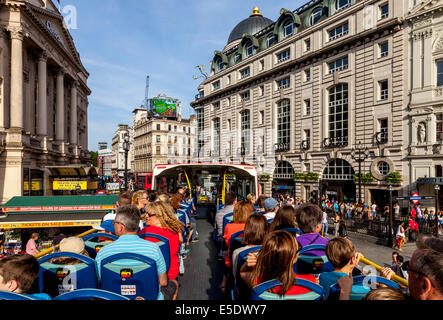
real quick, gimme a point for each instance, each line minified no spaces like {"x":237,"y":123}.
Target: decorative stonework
{"x":16,"y":33}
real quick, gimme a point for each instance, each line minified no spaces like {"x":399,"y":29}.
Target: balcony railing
{"x":338,"y":142}
{"x":281,"y":147}
{"x":381,"y":137}
{"x":306,"y":144}
{"x":199,"y":95}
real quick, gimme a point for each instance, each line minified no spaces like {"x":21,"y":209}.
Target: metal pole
{"x":390,"y":239}
{"x":126,"y":170}
{"x":437,"y":188}
{"x":359,"y":179}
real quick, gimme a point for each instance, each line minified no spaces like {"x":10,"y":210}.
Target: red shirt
{"x":230,"y":229}
{"x":413,"y":213}
{"x":174,"y":243}
{"x":295,"y":289}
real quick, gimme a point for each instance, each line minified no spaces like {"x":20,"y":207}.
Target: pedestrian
{"x":324,"y":226}
{"x":396,"y":211}
{"x":373,"y":211}
{"x":400,"y":236}
{"x":342,"y":232}
{"x":336,"y":223}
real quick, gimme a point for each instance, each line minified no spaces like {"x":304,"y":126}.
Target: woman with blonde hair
{"x":160,"y":219}
{"x":251,"y":198}
{"x":140,"y":200}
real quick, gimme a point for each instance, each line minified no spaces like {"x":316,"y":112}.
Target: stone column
{"x":74,"y":133}
{"x":42,"y":125}
{"x":16,"y":112}
{"x":60,"y":113}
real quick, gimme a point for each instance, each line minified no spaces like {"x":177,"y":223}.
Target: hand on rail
{"x":386,"y":272}
{"x":345,"y":283}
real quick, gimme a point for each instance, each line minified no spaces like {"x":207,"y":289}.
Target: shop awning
{"x":73,"y":172}
{"x":41,"y":212}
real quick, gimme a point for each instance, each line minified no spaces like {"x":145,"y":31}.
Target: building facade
{"x":43,"y":98}
{"x":159,"y":140}
{"x":104,"y":160}
{"x":294,"y":97}
{"x":123,"y":132}
{"x":426,"y":100}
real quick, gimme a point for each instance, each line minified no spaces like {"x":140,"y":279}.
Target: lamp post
{"x":436,"y":188}
{"x":126,"y":149}
{"x":359,"y":154}
{"x":103,"y":171}
{"x":390,"y":238}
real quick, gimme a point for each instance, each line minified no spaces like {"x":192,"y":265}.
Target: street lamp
{"x":126,"y":149}
{"x":359,"y":154}
{"x":390,"y":238}
{"x":436,"y":188}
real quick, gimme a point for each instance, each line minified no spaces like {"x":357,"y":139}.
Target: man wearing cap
{"x":271,"y":208}
{"x":106,"y":227}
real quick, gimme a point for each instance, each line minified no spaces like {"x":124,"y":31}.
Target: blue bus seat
{"x":235,"y":242}
{"x":294,"y":231}
{"x":241,"y":290}
{"x":132,"y":281}
{"x":359,"y":290}
{"x":163,"y":244}
{"x":89,"y":294}
{"x":55,"y":279}
{"x":260,"y":292}
{"x":228,"y":218}
{"x":307,"y":264}
{"x":92,"y":247}
{"x":6,"y":295}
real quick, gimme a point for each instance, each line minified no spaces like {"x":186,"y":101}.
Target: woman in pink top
{"x":31,"y":246}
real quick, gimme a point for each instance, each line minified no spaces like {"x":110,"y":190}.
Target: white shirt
{"x":399,"y":233}
{"x":325,"y":217}
{"x":269,"y":215}
{"x":374,"y":207}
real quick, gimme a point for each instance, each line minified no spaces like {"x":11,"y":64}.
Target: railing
{"x":306,"y":144}
{"x":281,"y":147}
{"x":338,"y":142}
{"x":381,"y":137}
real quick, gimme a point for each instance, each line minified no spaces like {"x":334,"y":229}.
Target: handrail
{"x":49,"y":250}
{"x":394,"y":277}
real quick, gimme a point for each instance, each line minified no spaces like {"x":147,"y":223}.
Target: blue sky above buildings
{"x":123,"y":41}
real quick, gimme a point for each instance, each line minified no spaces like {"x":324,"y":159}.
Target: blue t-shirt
{"x":328,"y":279}
{"x":133,"y":244}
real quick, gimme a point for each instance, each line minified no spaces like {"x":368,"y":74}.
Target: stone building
{"x":43,"y":98}
{"x":295,"y":96}
{"x":123,"y":132}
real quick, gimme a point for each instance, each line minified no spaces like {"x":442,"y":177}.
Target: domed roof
{"x":251,"y":25}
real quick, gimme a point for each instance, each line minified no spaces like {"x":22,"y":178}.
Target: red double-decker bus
{"x":144,"y":181}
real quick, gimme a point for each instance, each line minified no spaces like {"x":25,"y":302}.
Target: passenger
{"x":106,"y":227}
{"x":126,"y":226}
{"x":161,"y":220}
{"x":251,"y":198}
{"x":74,"y":245}
{"x":261,"y":203}
{"x":284,"y":219}
{"x":271,"y":208}
{"x":164,"y":198}
{"x":140,"y":200}
{"x":386,"y":294}
{"x":124,"y":199}
{"x":343,"y":256}
{"x":31,"y":246}
{"x":309,"y":219}
{"x":394,"y":265}
{"x":242,"y":211}
{"x":275,"y":260}
{"x":230,"y":202}
{"x":59,"y":237}
{"x":176,"y":200}
{"x":18,"y":274}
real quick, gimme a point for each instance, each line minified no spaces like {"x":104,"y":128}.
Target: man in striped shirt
{"x":126,"y":225}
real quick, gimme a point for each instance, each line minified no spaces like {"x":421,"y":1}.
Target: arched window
{"x":316,"y":15}
{"x":237,"y":57}
{"x":338,"y":114}
{"x":342,"y":4}
{"x":249,"y":49}
{"x":245,"y":126}
{"x":283,"y":125}
{"x":338,"y":169}
{"x":288,"y":29}
{"x":383,"y":168}
{"x":284,"y":170}
{"x":270,"y":40}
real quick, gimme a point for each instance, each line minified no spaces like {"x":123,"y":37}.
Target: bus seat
{"x":132,"y":281}
{"x":56,"y":279}
{"x":228,"y":218}
{"x":163,"y":244}
{"x":307,"y":264}
{"x":295,"y":232}
{"x":235,"y":242}
{"x":6,"y":295}
{"x":89,"y":294}
{"x":92,"y":247}
{"x":241,"y":290}
{"x":359,"y":290}
{"x":260,"y":292}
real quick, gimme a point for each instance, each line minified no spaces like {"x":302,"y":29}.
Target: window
{"x":175,"y":128}
{"x":237,"y":58}
{"x":262,"y":65}
{"x":169,"y":128}
{"x":339,"y":31}
{"x":245,"y":126}
{"x":222,"y":66}
{"x":158,"y":139}
{"x":316,"y":16}
{"x":283,"y":125}
{"x":338,"y":65}
{"x":200,"y":128}
{"x":216,"y":105}
{"x":439,"y":127}
{"x":245,"y":73}
{"x":216,"y":85}
{"x":158,"y":127}
{"x":216,"y":135}
{"x":249,"y":50}
{"x":308,"y":75}
{"x":307,"y":107}
{"x":384,"y":90}
{"x":440,"y":73}
{"x":261,"y":118}
{"x":284,"y":170}
{"x":383,"y":130}
{"x":244,"y":96}
{"x":228,"y":79}
{"x":261,"y":90}
{"x":157,"y":150}
{"x":288,"y":29}
{"x":384,"y":11}
{"x":342,"y":4}
{"x":338,"y":169}
{"x":284,"y":83}
{"x":184,"y":128}
{"x":383,"y":168}
{"x":338,"y":113}
{"x":270,"y":40}
{"x":285,"y":55}
{"x":308,"y":44}
{"x":384,"y":49}
{"x":308,"y":138}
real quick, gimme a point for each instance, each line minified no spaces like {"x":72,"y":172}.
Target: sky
{"x":121,"y":42}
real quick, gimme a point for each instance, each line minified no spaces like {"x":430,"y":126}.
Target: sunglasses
{"x":116,"y":222}
{"x":151,"y":215}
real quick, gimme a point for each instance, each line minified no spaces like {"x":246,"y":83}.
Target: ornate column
{"x":16,"y":109}
{"x":74,"y":133}
{"x":42,"y":125}
{"x":60,"y":113}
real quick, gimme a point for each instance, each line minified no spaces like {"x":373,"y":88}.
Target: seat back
{"x":241,"y":290}
{"x":89,"y":294}
{"x":6,"y":295}
{"x":260,"y":292}
{"x":294,"y":231}
{"x":130,"y":280}
{"x":55,"y":279}
{"x":235,"y":242}
{"x":93,"y":246}
{"x":163,"y":244}
{"x":308,"y":264}
{"x":360,"y":288}
{"x":227,"y":218}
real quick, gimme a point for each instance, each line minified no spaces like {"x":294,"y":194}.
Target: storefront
{"x":73,"y":180}
{"x":49,"y":216}
{"x":428,"y":187}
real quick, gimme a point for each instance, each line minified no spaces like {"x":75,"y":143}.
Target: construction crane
{"x":147,"y":92}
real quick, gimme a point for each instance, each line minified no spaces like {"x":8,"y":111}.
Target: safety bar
{"x":394,"y":277}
